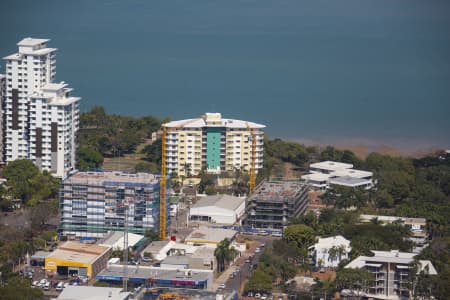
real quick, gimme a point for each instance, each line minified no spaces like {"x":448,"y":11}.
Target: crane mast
{"x":163,"y":188}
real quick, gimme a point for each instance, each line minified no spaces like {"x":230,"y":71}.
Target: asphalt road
{"x":246,"y":268}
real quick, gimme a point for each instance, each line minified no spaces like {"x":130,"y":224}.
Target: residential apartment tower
{"x":41,"y":118}
{"x":213,"y":144}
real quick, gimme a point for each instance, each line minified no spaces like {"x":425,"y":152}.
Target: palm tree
{"x":340,"y":251}
{"x":224,"y":254}
{"x":333,"y":253}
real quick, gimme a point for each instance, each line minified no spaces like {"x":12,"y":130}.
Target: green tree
{"x":20,"y":175}
{"x":89,"y":158}
{"x":356,"y":280}
{"x":26,"y":182}
{"x":224,"y":254}
{"x":303,"y":236}
{"x":17,"y":288}
{"x":259,"y":281}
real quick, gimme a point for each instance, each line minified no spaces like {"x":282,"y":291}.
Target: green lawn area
{"x":126,"y":162}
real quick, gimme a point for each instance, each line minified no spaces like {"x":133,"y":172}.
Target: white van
{"x":60,"y":286}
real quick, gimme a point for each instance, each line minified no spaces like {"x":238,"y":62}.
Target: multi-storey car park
{"x":274,"y":203}
{"x":93,"y":203}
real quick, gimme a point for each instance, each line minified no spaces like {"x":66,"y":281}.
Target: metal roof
{"x":222,"y":201}
{"x":92,"y":293}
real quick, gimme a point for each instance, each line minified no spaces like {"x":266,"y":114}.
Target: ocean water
{"x":352,"y":71}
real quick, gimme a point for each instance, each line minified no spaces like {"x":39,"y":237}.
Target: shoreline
{"x":363,"y":147}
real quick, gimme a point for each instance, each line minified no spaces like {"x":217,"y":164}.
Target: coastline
{"x":362,"y":147}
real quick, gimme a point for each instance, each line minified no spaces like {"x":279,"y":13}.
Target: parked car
{"x":222,"y":285}
{"x":264,"y":297}
{"x":250,"y":294}
{"x":47,"y":286}
{"x":60,"y":286}
{"x":257,"y":295}
{"x":35,"y":284}
{"x":42,"y":283}
{"x":258,"y":250}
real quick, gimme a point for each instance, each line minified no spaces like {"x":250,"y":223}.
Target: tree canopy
{"x":26,"y":182}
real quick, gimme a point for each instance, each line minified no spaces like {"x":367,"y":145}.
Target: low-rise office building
{"x":392,"y":271}
{"x":209,"y":236}
{"x":328,"y":173}
{"x":274,"y":203}
{"x":77,"y":258}
{"x":220,"y":209}
{"x":160,"y":277}
{"x":92,"y":293}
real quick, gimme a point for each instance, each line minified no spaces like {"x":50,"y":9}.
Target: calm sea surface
{"x":350,"y":70}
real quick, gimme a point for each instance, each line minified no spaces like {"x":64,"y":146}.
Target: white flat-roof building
{"x":220,"y":209}
{"x":391,"y":270}
{"x":41,"y":118}
{"x":214,"y":143}
{"x":209,"y":236}
{"x":328,"y":166}
{"x":330,"y":251}
{"x":73,"y":292}
{"x":324,"y":174}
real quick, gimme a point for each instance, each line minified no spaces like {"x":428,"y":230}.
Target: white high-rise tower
{"x":41,"y":119}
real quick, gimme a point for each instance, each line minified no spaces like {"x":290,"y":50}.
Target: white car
{"x":47,"y":286}
{"x":263,"y":297}
{"x":42,"y":283}
{"x":257,"y":295}
{"x":60,"y":286}
{"x":222,"y":286}
{"x":258,"y":250}
{"x":35,"y":284}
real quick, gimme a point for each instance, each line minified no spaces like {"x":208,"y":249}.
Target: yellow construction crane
{"x":252,"y":177}
{"x":163,"y":189}
{"x":163,"y":180}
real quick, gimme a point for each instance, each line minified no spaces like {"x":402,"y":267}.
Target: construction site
{"x":273,"y":203}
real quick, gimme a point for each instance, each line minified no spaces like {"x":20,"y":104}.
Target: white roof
{"x":201,"y":122}
{"x":316,"y":177}
{"x":30,"y":42}
{"x":352,"y":173}
{"x":221,"y":201}
{"x":393,"y":219}
{"x":329,"y":242}
{"x":115,"y":240}
{"x":350,"y":181}
{"x":92,"y":293}
{"x":393,"y":256}
{"x":54,"y":86}
{"x":331,"y":165}
{"x":210,"y":235}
